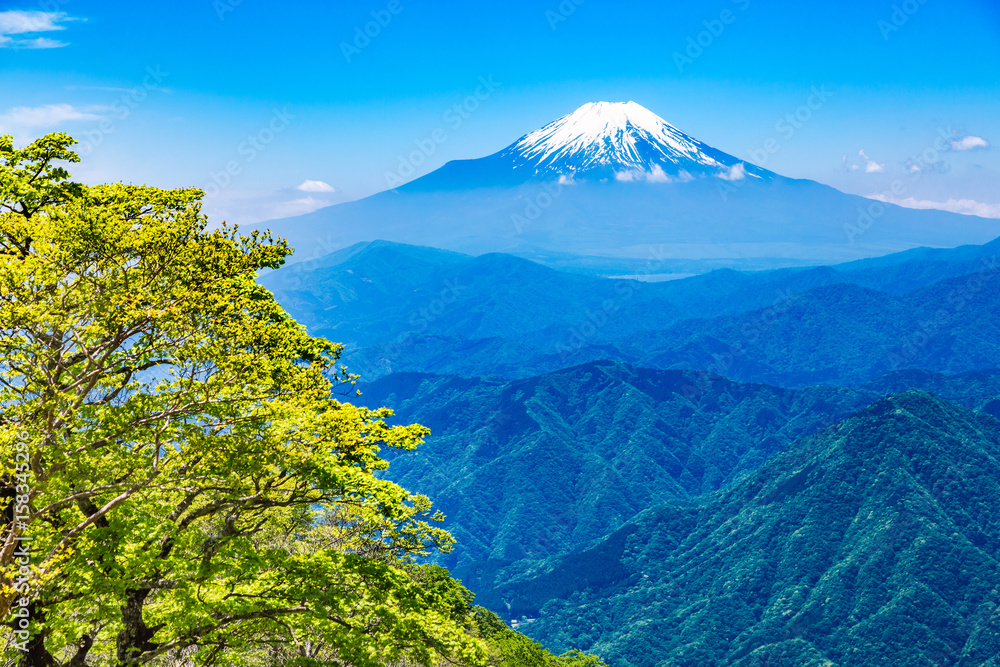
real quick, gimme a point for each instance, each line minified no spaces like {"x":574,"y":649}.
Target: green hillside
{"x":873,"y":542}
{"x":538,"y":467}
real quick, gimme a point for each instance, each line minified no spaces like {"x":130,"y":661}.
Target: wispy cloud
{"x":969,"y":143}
{"x":17,"y":28}
{"x":871,"y":166}
{"x":963,"y":206}
{"x":315,"y":186}
{"x":287,"y":209}
{"x":47,"y":115}
{"x":735,"y":173}
{"x":254,"y":206}
{"x":918,"y":165}
{"x":657,"y":175}
{"x":42,"y":43}
{"x":17,"y":22}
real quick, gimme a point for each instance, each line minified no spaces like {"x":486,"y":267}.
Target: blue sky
{"x":276,"y":105}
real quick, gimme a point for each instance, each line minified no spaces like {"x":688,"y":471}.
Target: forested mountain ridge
{"x":842,"y":334}
{"x":873,"y":542}
{"x":404,"y":308}
{"x":975,"y":390}
{"x":536,"y":467}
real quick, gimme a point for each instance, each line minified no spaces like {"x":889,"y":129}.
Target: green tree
{"x":175,"y":458}
{"x":508,"y":648}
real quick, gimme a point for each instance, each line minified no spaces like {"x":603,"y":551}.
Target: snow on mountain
{"x":621,"y":138}
{"x":600,"y":141}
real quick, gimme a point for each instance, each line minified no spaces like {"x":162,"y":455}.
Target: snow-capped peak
{"x":622,"y":137}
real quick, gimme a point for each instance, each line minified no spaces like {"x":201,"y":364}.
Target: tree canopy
{"x":183,"y":478}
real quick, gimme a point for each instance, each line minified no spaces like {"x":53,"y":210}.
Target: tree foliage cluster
{"x":183,"y":478}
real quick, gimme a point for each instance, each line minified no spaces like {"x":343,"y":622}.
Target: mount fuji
{"x":599,"y":141}
{"x":614,"y":180}
{"x":602,"y":136}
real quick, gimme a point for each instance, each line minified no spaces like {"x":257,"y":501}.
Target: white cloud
{"x":244,"y":207}
{"x":963,"y":206}
{"x":969,"y":143}
{"x":287,"y":209}
{"x":41,"y":43}
{"x":871,"y":166}
{"x":19,"y":22}
{"x":47,"y":115}
{"x":735,"y":173}
{"x":566,"y":180}
{"x":918,"y":165}
{"x":655,"y":175}
{"x":315,"y":186}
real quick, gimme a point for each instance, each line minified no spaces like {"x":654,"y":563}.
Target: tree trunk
{"x":37,"y":655}
{"x":135,"y":638}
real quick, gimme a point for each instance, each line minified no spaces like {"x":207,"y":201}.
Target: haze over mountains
{"x":404,"y":308}
{"x":615,"y":180}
